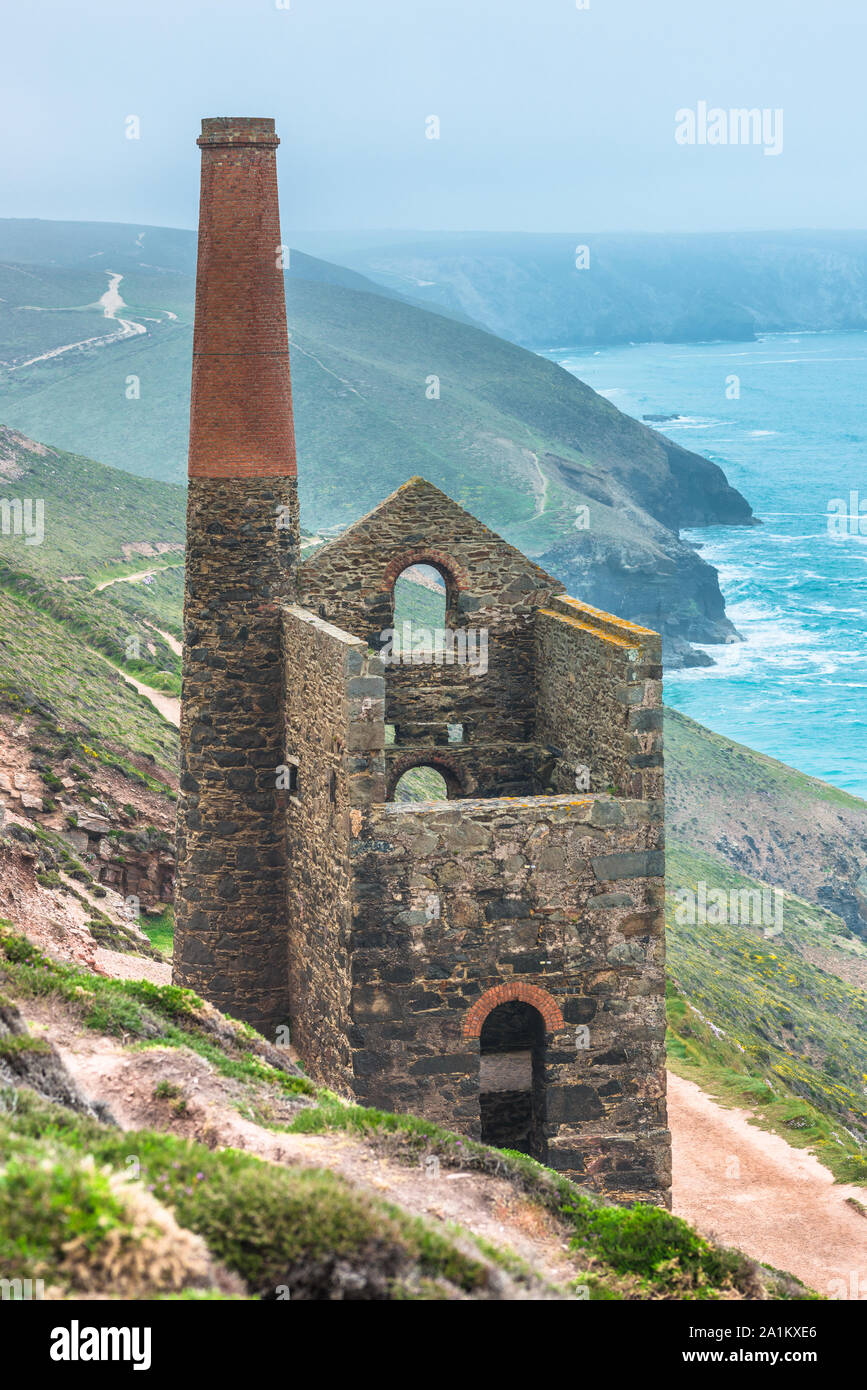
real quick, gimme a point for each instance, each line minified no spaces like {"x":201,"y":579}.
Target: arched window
{"x":423,"y":568}
{"x":419,"y":614}
{"x":421,"y":784}
{"x":512,"y":1079}
{"x":431,"y":776}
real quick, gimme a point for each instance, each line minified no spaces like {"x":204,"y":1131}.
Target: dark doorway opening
{"x":512,"y":1079}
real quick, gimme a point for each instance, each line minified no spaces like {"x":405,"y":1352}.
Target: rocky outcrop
{"x":27,"y":1060}
{"x":85,"y":846}
{"x":660,"y":582}
{"x":137,"y":863}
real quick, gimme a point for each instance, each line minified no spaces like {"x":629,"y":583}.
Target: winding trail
{"x":171,"y":641}
{"x":169,"y":706}
{"x":111,"y":303}
{"x":131,"y":578}
{"x":750,"y":1189}
{"x":542,"y":495}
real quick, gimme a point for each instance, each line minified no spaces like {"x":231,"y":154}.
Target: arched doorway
{"x":512,"y":1079}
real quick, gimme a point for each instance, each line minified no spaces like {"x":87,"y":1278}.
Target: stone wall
{"x":470,"y":769}
{"x":599,"y":693}
{"x":230,"y":938}
{"x":489,"y":585}
{"x":560,"y":899}
{"x":334,"y":741}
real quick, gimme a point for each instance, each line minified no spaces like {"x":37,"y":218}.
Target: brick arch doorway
{"x":512,"y":1021}
{"x":512,"y":1079}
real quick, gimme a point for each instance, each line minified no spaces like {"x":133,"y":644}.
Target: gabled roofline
{"x":417,"y":481}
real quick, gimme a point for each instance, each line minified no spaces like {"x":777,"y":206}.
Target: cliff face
{"x":660,"y":583}
{"x":636,"y":288}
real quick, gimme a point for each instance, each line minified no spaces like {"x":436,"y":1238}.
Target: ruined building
{"x":493,"y":960}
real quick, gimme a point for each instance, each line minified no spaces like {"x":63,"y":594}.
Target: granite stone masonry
{"x":493,"y":961}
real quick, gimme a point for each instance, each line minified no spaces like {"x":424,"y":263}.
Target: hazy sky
{"x":552,"y":118}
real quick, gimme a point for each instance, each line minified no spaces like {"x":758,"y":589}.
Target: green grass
{"x":103,"y":621}
{"x":277,"y":1227}
{"x":630,"y":1251}
{"x":160,"y":931}
{"x":143,"y":1013}
{"x":67,"y":636}
{"x":50,"y":670}
{"x":91,"y":512}
{"x":755,"y":1023}
{"x":13,"y":1043}
{"x":697,"y":759}
{"x":45,"y":1202}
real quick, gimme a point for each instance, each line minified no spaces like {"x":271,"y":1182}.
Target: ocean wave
{"x":692,"y":422}
{"x":784,"y":688}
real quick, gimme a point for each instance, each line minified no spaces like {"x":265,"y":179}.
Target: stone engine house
{"x":493,"y":960}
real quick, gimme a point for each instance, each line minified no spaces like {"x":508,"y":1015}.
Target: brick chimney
{"x":242,"y":547}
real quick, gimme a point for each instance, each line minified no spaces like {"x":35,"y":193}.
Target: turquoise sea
{"x":794,"y":439}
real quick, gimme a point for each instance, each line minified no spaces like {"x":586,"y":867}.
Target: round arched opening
{"x":512,"y":1079}
{"x":421,"y":784}
{"x":420,"y":614}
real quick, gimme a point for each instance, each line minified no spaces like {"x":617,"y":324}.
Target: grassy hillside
{"x":93,"y":1207}
{"x":367,"y":355}
{"x":66,"y":640}
{"x":766,"y":819}
{"x":48,"y":668}
{"x":383,"y":390}
{"x":773,"y":1021}
{"x":97,"y":519}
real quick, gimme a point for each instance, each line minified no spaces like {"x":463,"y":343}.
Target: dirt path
{"x":542,"y":494}
{"x":169,"y":706}
{"x":171,"y":642}
{"x":110,"y":302}
{"x":122,"y":965}
{"x":132,"y":578}
{"x":747,"y":1188}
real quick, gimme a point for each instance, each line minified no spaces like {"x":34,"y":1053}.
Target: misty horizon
{"x":496,"y":116}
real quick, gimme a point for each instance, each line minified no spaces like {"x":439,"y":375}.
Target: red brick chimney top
{"x":238,"y":130}
{"x":241,"y":406}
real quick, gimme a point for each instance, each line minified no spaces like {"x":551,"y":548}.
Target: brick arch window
{"x":455,"y":576}
{"x":501,"y":994}
{"x":458,"y":781}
